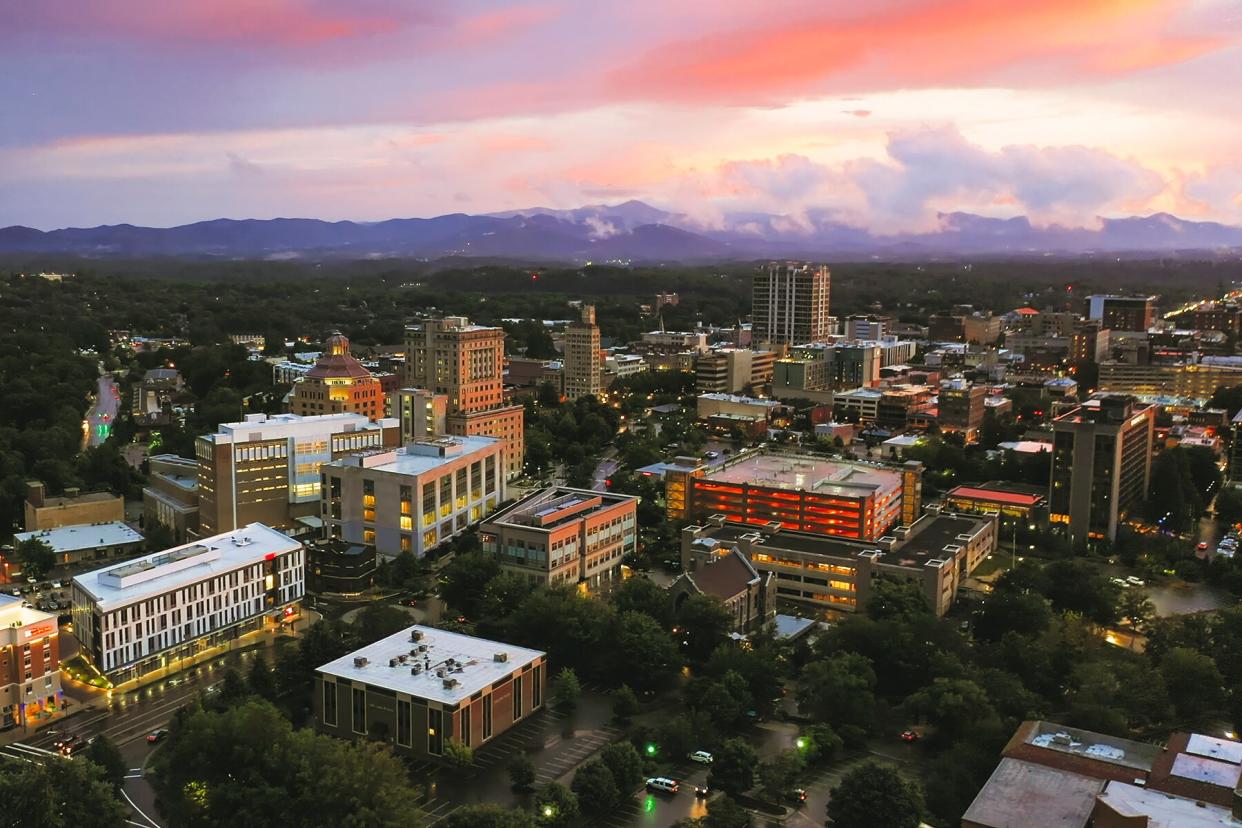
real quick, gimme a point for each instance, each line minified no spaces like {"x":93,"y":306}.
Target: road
{"x":606,"y":468}
{"x":97,"y":426}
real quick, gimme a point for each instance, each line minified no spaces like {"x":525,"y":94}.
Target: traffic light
{"x":652,"y":749}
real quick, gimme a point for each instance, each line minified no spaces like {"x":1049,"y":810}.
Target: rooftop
{"x":69,"y":499}
{"x":555,"y":506}
{"x":418,"y":457}
{"x":450,"y":666}
{"x":13,"y":611}
{"x":807,"y":473}
{"x":1026,"y":795}
{"x":276,"y":426}
{"x":155,"y":574}
{"x":84,"y":536}
{"x":736,"y":398}
{"x":724,"y":576}
{"x":1111,"y":749}
{"x":1000,"y":493}
{"x":1162,"y":810}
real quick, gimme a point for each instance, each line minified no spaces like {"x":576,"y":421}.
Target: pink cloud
{"x":489,"y":26}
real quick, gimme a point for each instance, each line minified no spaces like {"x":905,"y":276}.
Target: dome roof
{"x":337,"y":362}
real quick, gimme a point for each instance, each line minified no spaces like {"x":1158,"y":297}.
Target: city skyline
{"x":131,"y":111}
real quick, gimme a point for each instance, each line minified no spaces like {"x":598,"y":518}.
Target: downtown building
{"x":338,"y":384}
{"x":153,"y":613}
{"x":265,"y":469}
{"x":465,"y":363}
{"x":1101,"y":466}
{"x":414,"y":498}
{"x":420,"y":688}
{"x":1135,"y":314}
{"x":564,"y":536}
{"x":582,"y":357}
{"x":789,"y":303}
{"x":29,"y":663}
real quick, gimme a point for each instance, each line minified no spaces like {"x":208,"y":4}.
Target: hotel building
{"x":420,"y":688}
{"x":132,"y":619}
{"x":412,"y":499}
{"x":564,"y":536}
{"x":29,"y":663}
{"x":266,"y":468}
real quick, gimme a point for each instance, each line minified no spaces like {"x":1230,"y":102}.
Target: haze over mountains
{"x":628,"y":232}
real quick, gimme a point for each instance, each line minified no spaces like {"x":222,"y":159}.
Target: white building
{"x":87,"y":541}
{"x":156,"y":611}
{"x":413,"y":498}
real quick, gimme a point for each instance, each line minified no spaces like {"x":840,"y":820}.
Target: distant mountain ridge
{"x":629,"y":232}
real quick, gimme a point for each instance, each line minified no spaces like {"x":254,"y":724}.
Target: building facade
{"x":564,"y":536}
{"x":423,"y":687}
{"x":732,"y":370}
{"x":790,"y":303}
{"x":170,"y":497}
{"x":1190,"y":381}
{"x":414,"y":498}
{"x":1101,"y":466}
{"x":29,"y":664}
{"x":961,"y":407}
{"x":334,"y":567}
{"x":1123,"y":313}
{"x":266,"y":468}
{"x":89,"y":542}
{"x":338,"y":384}
{"x":73,"y":508}
{"x":159,"y":611}
{"x":583,"y":368}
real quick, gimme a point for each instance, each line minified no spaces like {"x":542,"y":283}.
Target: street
{"x":97,"y":426}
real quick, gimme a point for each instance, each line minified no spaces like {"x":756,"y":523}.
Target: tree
{"x":596,"y":788}
{"x":624,"y":703}
{"x":158,"y":536}
{"x":377,"y":621}
{"x":952,"y":705}
{"x":104,"y":752}
{"x":259,"y":678}
{"x":723,"y":812}
{"x":1135,"y":607}
{"x":839,"y":691}
{"x":874,"y":795}
{"x":778,"y":774}
{"x":819,"y":743}
{"x":59,"y":794}
{"x":522,"y":773}
{"x":625,"y":764}
{"x":896,"y":600}
{"x":464,"y":581}
{"x":1194,"y":683}
{"x":487,"y":816}
{"x":705,"y":623}
{"x":233,"y":689}
{"x":35,"y":556}
{"x":733,"y":767}
{"x":565,"y":689}
{"x":1010,"y":610}
{"x":1229,"y":505}
{"x":645,"y":596}
{"x":458,"y":754}
{"x":643,"y":651}
{"x":556,"y":805}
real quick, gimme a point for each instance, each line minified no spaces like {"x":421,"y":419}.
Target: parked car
{"x":408,"y":601}
{"x":663,"y":784}
{"x":909,"y":736}
{"x":702,"y":757}
{"x":1135,"y":581}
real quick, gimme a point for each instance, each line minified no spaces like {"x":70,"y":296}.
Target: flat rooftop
{"x":67,"y":539}
{"x":85,"y":497}
{"x":1001,"y":493}
{"x":549,"y":508}
{"x":276,"y":426}
{"x":419,"y":458}
{"x":1111,"y":749}
{"x":1026,"y":795}
{"x":471,"y":662}
{"x":13,"y":610}
{"x":1163,"y":810}
{"x":125,"y":583}
{"x":820,"y":475}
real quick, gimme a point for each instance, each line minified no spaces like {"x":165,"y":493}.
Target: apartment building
{"x":338,"y":384}
{"x":156,"y":612}
{"x":790,"y":302}
{"x":73,"y":508}
{"x":171,"y":495}
{"x":421,"y":688}
{"x":265,"y":469}
{"x":414,"y":498}
{"x":465,"y":362}
{"x":29,"y":663}
{"x":564,"y":536}
{"x":583,"y":364}
{"x":832,"y":575}
{"x":1101,"y":465}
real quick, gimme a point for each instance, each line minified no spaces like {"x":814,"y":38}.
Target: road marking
{"x":139,"y":811}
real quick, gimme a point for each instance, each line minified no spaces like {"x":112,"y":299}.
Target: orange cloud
{"x":925,"y":43}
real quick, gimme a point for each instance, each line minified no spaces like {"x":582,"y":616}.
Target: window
{"x":465,"y":724}
{"x":487,"y":717}
{"x":329,"y":703}
{"x":403,"y":723}
{"x":517,"y":697}
{"x":360,"y":710}
{"x":435,"y":731}
{"x":537,"y":686}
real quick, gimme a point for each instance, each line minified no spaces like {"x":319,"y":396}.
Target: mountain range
{"x":629,"y":232}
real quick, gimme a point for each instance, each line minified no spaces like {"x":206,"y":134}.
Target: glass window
{"x":360,"y":710}
{"x":435,"y":731}
{"x":487,"y":717}
{"x":517,"y":697}
{"x":403,"y":723}
{"x":329,"y":703}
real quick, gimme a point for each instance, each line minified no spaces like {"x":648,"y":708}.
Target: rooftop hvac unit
{"x":360,"y":661}
{"x":450,"y":661}
{"x":422,"y":648}
{"x":459,"y":669}
{"x":416,"y":669}
{"x":393,"y":662}
{"x":440,"y":672}
{"x":500,"y":657}
{"x":416,"y":635}
{"x":450,"y":683}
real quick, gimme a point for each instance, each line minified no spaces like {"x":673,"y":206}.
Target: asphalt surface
{"x":98,"y":424}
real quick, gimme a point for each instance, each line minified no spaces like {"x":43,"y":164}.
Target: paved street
{"x":98,"y":424}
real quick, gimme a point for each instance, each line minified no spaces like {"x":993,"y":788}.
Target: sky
{"x":884,"y":113}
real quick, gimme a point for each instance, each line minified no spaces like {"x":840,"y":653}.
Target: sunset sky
{"x":160,"y":113}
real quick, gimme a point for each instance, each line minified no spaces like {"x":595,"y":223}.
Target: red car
{"x":909,"y":736}
{"x":156,"y":736}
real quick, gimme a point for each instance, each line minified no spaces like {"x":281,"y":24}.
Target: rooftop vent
{"x":360,"y":661}
{"x":440,"y":672}
{"x":450,"y":683}
{"x":416,"y":635}
{"x":416,"y":669}
{"x":500,"y":657}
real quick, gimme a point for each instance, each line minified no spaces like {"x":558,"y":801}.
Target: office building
{"x":1190,"y":381}
{"x":836,"y":575}
{"x":336,"y":567}
{"x":412,"y":499}
{"x":1014,"y":501}
{"x":338,"y":384}
{"x":564,"y":536}
{"x":1052,"y":774}
{"x":1101,"y":466}
{"x":583,"y":364}
{"x":798,"y":492}
{"x":729,"y":414}
{"x":964,"y":325}
{"x":1089,"y":342}
{"x":674,"y":342}
{"x":29,"y":664}
{"x":73,"y":508}
{"x":285,"y":372}
{"x":790,"y":303}
{"x":1233,"y":471}
{"x":153,"y":396}
{"x":1123,"y":313}
{"x":423,"y":414}
{"x":88,"y":542}
{"x":867,"y":326}
{"x":465,"y":362}
{"x":961,"y":407}
{"x":265,"y":469}
{"x":1212,"y":316}
{"x":418,"y":689}
{"x":732,"y":370}
{"x":170,"y":497}
{"x":168,"y":608}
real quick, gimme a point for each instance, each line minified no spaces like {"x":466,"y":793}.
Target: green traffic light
{"x":801,"y":743}
{"x":651,"y":749}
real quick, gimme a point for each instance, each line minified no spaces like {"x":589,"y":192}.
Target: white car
{"x":1120,"y":582}
{"x":1134,"y":581}
{"x":702,"y":757}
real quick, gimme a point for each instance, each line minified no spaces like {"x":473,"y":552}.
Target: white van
{"x":663,"y":783}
